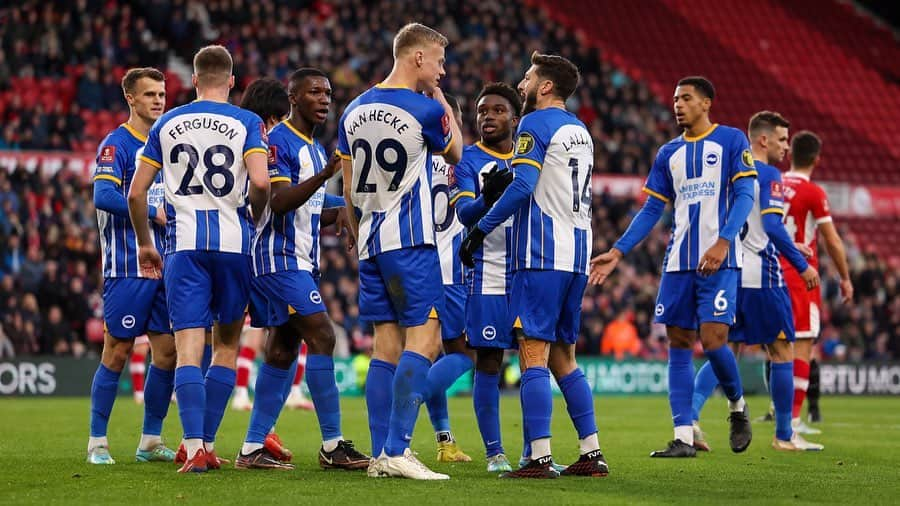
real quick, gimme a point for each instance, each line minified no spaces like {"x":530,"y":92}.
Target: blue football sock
{"x":267,"y":402}
{"x":191,"y":394}
{"x":289,"y":381}
{"x":486,"y":398}
{"x":681,"y":385}
{"x":579,"y":402}
{"x":324,"y":391}
{"x":725,"y":366}
{"x":207,"y":358}
{"x":379,"y":397}
{"x":781,"y":383}
{"x":537,"y":403}
{"x":526,"y":441}
{"x":441,"y":377}
{"x":704,"y":383}
{"x":219,"y":384}
{"x":410,"y":389}
{"x":157,"y":395}
{"x":103,"y":396}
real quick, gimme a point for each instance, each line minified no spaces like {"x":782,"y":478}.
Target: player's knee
{"x":713,"y":335}
{"x":489,"y":361}
{"x":534,"y":352}
{"x":321,"y":340}
{"x":457,"y":345}
{"x":281,"y":348}
{"x":781,"y":352}
{"x":116,"y":353}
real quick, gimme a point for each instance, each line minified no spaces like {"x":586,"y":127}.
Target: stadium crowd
{"x":49,"y":290}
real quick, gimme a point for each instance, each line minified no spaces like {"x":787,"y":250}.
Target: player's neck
{"x":301,"y":125}
{"x":550,"y":102}
{"x":802,"y":170}
{"x":213,"y":94}
{"x":699,"y":128}
{"x":139,"y":124}
{"x":759,"y":154}
{"x":503,"y":147}
{"x":398,"y":78}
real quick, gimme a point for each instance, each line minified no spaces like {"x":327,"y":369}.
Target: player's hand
{"x":332,"y":167}
{"x":160,"y":218}
{"x":806,"y":250}
{"x":713,"y":258}
{"x":470,"y":245}
{"x":810,"y":277}
{"x":846,"y":291}
{"x":150,"y":261}
{"x":603,"y":265}
{"x":494,"y":183}
{"x":438,"y":94}
{"x":342,"y":225}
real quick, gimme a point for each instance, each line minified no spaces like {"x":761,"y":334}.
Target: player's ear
{"x":194,"y":80}
{"x":420,"y":58}
{"x":231,"y":82}
{"x":514,"y":123}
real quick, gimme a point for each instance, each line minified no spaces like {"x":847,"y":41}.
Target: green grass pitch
{"x":42,"y":450}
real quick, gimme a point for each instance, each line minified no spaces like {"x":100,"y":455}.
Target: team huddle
{"x":210,"y":212}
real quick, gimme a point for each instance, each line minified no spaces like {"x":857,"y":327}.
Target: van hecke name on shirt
{"x":204,"y":123}
{"x":380,"y":116}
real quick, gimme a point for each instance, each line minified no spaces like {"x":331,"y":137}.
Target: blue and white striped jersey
{"x":696,"y":174}
{"x":762,"y":268}
{"x":291,"y":241}
{"x":552,"y":231}
{"x":117,"y":162}
{"x":201,"y":148}
{"x":449,"y":231}
{"x":389,"y":134}
{"x":493,"y":263}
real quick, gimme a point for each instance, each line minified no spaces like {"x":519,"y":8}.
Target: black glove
{"x":494,"y":182}
{"x":470,"y":245}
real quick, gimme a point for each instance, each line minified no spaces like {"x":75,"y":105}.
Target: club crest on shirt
{"x":747,"y":159}
{"x":108,"y":154}
{"x":524,"y":144}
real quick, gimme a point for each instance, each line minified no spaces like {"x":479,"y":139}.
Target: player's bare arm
{"x":835,"y":248}
{"x":454,"y":154}
{"x":148,"y":257}
{"x":258,"y":169}
{"x":347,"y":169}
{"x":286,"y":197}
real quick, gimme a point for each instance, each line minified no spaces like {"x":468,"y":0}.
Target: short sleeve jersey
{"x":201,"y":147}
{"x":389,"y":135}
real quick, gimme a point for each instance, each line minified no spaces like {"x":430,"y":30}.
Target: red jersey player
{"x":806,"y":213}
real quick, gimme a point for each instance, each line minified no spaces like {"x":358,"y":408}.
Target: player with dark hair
{"x":709,"y":176}
{"x":212,"y":154}
{"x":764,"y":307}
{"x":457,"y":357}
{"x":806,"y":214}
{"x":386,"y":138}
{"x":285,"y":287}
{"x":133,"y":304}
{"x":481,"y":177}
{"x":550,"y":199}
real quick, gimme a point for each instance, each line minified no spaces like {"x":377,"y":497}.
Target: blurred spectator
{"x":620,"y":338}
